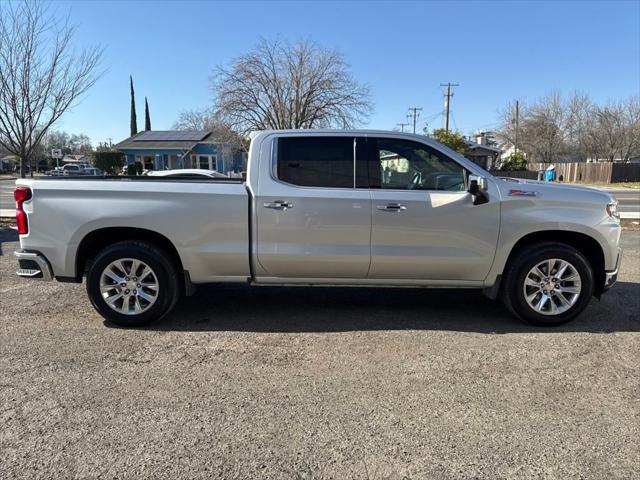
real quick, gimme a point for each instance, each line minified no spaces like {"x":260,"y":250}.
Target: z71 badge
{"x":522,"y":193}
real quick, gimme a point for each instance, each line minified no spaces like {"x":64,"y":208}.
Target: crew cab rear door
{"x":425,"y":224}
{"x":311,"y":220}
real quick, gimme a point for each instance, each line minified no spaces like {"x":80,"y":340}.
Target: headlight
{"x":612,"y":210}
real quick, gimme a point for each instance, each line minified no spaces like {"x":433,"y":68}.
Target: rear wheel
{"x":548,"y":284}
{"x":132,"y":283}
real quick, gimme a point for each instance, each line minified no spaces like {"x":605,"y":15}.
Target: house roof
{"x":75,"y":158}
{"x":164,"y":139}
{"x":477,"y":148}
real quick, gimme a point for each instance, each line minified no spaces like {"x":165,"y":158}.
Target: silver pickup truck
{"x":322,"y":207}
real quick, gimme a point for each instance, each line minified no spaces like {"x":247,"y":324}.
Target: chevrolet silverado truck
{"x":323,"y":207}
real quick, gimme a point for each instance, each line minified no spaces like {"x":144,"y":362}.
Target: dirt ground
{"x":317,"y":383}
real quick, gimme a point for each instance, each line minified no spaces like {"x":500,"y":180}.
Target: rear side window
{"x":316,"y":161}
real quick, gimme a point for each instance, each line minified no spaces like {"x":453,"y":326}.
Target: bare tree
{"x":207,"y":119}
{"x":607,"y":130}
{"x":630,"y":128}
{"x":282,"y":85}
{"x":507,"y":116}
{"x":41,"y":75}
{"x":543,"y":130}
{"x":615,"y":130}
{"x":69,"y":143}
{"x":578,"y":125}
{"x":552,"y":129}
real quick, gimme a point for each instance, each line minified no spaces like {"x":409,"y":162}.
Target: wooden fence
{"x":526,"y":174}
{"x":582,"y":172}
{"x":625,"y":172}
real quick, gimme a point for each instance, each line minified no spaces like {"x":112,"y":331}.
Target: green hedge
{"x":110,"y":162}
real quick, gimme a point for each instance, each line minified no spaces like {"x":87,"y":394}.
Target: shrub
{"x":515,"y":161}
{"x":110,"y":162}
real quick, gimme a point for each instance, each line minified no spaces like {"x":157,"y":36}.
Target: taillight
{"x":21,"y":195}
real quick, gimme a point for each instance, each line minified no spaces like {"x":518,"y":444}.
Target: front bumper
{"x":33,"y":265}
{"x":610,"y":278}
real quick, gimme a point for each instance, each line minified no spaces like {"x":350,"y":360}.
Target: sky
{"x":496,"y":50}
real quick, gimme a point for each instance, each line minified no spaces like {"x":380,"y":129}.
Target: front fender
{"x":520,"y":218}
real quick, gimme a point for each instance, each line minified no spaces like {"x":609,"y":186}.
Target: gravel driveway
{"x":317,"y":383}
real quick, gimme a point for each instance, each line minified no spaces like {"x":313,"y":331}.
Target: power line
{"x":415,"y":114}
{"x":431,"y":118}
{"x":447,"y":102}
{"x":453,"y":119}
{"x":402,"y":125}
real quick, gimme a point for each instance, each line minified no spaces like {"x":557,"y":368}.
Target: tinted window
{"x":406,"y":165}
{"x":316,"y":161}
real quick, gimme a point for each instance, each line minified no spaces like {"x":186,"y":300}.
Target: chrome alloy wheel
{"x":552,"y":287}
{"x":129,"y":286}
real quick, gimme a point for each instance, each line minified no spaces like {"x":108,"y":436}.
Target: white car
{"x":187,"y":172}
{"x":73,"y":169}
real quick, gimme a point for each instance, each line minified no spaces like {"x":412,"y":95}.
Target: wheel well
{"x":96,"y":241}
{"x":588,"y":246}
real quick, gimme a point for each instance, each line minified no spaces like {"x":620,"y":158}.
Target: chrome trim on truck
{"x":43,"y":272}
{"x":610,"y":278}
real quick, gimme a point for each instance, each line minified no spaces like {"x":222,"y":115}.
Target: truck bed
{"x":205,"y":219}
{"x":141,"y":178}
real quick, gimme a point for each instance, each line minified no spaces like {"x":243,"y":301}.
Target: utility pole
{"x":414,"y":113}
{"x":402,"y":125}
{"x":515,"y":140}
{"x":447,"y":102}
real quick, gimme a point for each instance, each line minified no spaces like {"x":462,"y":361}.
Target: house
{"x":481,"y":152}
{"x":8,"y":163}
{"x":76,"y":159}
{"x":176,"y":149}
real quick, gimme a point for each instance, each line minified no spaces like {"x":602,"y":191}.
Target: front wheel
{"x":548,"y":284}
{"x":132,"y":283}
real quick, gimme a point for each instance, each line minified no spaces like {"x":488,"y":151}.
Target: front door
{"x":425,"y":225}
{"x":311,"y":220}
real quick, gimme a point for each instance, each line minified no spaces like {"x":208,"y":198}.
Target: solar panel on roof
{"x":171,"y":136}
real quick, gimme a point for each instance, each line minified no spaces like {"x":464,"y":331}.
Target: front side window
{"x":407,"y":165}
{"x":316,"y":161}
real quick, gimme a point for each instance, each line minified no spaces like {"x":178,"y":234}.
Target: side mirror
{"x":478,"y":188}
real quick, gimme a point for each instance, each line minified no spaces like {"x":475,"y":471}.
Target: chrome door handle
{"x":392,"y":207}
{"x":278,"y":205}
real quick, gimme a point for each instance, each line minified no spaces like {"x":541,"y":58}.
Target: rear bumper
{"x":33,"y":265}
{"x":610,"y":278}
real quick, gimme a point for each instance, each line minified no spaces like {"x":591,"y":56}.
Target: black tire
{"x":163,"y":268}
{"x":513,"y":294}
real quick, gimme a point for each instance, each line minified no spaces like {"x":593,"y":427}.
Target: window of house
{"x":316,"y":161}
{"x":407,"y":165}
